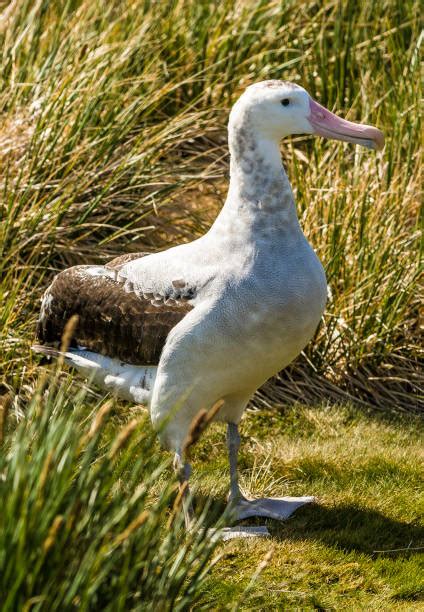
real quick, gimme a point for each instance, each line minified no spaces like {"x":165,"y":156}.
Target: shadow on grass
{"x":346,"y":527}
{"x":351,"y":528}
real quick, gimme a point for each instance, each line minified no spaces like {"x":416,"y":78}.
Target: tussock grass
{"x":90,"y":518}
{"x":113,"y":134}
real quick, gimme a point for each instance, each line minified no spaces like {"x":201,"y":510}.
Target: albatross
{"x":211,"y":320}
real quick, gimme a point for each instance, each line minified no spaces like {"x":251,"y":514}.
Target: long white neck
{"x":260,"y":199}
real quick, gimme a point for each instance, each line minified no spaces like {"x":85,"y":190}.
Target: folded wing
{"x":113,"y":320}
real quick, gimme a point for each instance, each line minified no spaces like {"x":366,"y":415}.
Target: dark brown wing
{"x":110,"y":321}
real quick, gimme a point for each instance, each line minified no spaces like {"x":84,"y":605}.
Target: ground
{"x":365,"y":470}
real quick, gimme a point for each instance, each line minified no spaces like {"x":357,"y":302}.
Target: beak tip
{"x":381,"y":144}
{"x":379,"y":140}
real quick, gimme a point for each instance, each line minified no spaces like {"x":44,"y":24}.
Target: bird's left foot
{"x":278,"y":508}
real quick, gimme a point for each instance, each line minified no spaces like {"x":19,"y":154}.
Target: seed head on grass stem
{"x":5,"y":403}
{"x":51,"y":537}
{"x":198,"y":425}
{"x":122,"y":438}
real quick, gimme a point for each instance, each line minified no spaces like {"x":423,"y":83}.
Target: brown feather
{"x":110,"y":320}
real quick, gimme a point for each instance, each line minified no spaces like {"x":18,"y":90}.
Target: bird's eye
{"x":285,"y":102}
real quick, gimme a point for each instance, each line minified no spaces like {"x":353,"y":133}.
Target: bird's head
{"x":279,"y":108}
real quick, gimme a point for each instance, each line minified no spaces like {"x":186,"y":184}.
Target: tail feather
{"x":46,"y":350}
{"x":131,"y":382}
{"x":78,"y":358}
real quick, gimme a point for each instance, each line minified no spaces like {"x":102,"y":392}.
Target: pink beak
{"x":329,"y":125}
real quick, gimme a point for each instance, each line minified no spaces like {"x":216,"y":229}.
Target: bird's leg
{"x":279,"y":508}
{"x":183,"y":470}
{"x":233,"y":443}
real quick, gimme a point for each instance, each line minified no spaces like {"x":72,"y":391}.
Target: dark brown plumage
{"x":111,"y":321}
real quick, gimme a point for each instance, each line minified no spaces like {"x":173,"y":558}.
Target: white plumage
{"x":257,"y":288}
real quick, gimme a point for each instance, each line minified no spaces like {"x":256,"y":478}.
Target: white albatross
{"x":213,"y":319}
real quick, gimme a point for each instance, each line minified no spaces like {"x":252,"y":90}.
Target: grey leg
{"x":278,"y":508}
{"x":183,"y":470}
{"x":233,"y":443}
{"x":235,"y":497}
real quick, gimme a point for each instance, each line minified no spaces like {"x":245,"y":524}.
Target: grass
{"x":113,"y":139}
{"x":355,"y":548}
{"x":90,"y":516}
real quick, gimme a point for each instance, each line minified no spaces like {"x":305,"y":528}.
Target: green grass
{"x":113,"y":133}
{"x":90,"y":514}
{"x":366,"y":473}
{"x":113,"y":139}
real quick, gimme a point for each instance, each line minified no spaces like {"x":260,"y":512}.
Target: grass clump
{"x":113,"y":140}
{"x":90,"y":516}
